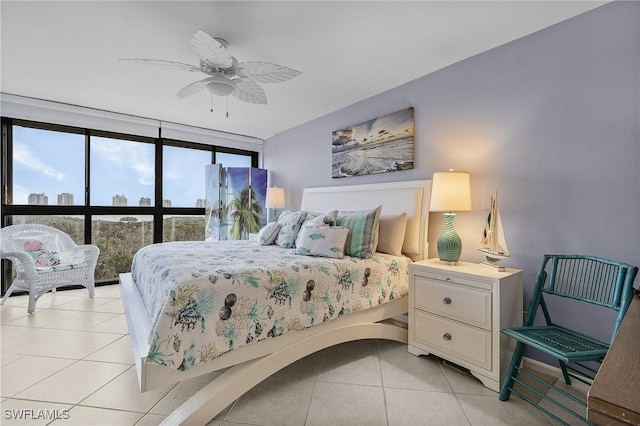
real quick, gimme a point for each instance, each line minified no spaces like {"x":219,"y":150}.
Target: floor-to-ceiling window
{"x":183,"y":186}
{"x":119,"y":192}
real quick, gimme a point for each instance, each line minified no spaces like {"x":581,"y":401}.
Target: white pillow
{"x":268,"y":233}
{"x":391,"y":234}
{"x":322,"y":241}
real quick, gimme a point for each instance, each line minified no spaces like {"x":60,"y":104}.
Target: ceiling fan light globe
{"x":222,"y":41}
{"x":220,"y":85}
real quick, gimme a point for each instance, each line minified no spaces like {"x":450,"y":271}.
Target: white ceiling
{"x":347,"y":51}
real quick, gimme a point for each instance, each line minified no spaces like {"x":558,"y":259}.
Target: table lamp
{"x":275,"y":200}
{"x":450,"y":191}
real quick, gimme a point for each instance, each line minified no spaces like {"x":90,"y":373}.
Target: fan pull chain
{"x":211,"y":102}
{"x":227,"y":107}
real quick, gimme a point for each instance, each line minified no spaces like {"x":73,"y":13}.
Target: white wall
{"x":551,"y":120}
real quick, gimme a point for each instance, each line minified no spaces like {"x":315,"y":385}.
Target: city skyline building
{"x":38,"y":199}
{"x":65,"y":199}
{"x":119,"y":200}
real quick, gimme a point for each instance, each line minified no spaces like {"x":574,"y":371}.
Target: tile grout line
{"x":75,"y":361}
{"x":466,"y":416}
{"x":384,"y":389}
{"x":315,"y":383}
{"x":101,"y":387}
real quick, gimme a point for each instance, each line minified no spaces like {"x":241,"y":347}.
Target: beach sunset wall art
{"x":384,"y":144}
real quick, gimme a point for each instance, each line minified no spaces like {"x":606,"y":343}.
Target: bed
{"x":245,"y":354}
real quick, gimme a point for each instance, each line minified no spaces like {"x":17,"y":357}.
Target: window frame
{"x":86,"y":210}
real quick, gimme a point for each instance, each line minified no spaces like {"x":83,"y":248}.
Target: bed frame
{"x":251,"y":364}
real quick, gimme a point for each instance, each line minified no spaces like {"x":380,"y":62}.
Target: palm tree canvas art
{"x":235,"y":202}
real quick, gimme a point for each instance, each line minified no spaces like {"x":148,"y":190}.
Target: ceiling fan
{"x":225,"y":75}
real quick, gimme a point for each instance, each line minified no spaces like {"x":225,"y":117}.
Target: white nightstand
{"x":456,"y":313}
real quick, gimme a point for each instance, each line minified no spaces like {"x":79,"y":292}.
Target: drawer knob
{"x":446,"y":336}
{"x":448,"y":279}
{"x":446,"y":301}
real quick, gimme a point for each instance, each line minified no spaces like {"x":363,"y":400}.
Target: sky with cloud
{"x":47,"y":162}
{"x":52,"y":163}
{"x":123,"y":168}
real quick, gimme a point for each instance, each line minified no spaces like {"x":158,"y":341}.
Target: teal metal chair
{"x":585,"y":278}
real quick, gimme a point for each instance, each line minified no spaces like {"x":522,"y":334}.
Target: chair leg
{"x":565,"y":373}
{"x":91,"y":286}
{"x":32,"y":302}
{"x":512,"y":372}
{"x":6,"y":295}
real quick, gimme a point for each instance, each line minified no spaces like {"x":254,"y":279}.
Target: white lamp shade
{"x":275,"y":198}
{"x":450,"y":191}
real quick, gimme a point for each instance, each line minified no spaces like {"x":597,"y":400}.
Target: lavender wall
{"x":551,"y":120}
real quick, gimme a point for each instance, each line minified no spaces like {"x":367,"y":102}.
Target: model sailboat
{"x":493,"y":243}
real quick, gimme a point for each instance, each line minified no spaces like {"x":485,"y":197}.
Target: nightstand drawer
{"x":469,"y":305}
{"x":481,"y":283}
{"x":462,"y":341}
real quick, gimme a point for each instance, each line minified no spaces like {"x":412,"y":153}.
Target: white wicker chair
{"x":79,"y":269}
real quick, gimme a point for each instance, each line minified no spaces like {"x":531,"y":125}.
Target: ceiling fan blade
{"x":165,"y":64}
{"x":190,"y":89}
{"x":266,"y":72}
{"x":209,"y":49}
{"x":248,"y":91}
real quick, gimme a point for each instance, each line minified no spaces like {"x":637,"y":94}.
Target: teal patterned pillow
{"x":322,"y":241}
{"x":315,"y":220}
{"x":326,"y":219}
{"x":268,"y":233}
{"x":290,"y":223}
{"x":363,"y":237}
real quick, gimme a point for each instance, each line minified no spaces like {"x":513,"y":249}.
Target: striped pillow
{"x":362,"y":240}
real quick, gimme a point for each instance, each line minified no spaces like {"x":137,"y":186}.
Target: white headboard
{"x":411,"y":197}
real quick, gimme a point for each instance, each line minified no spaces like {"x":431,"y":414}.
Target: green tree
{"x":118,"y":242}
{"x":183,"y":228}
{"x":245,"y":212}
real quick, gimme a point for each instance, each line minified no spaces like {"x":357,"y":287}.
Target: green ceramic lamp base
{"x":449,"y":243}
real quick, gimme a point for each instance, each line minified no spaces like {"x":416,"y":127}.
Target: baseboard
{"x":552,"y":371}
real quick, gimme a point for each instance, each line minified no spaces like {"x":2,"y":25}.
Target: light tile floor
{"x":74,"y":354}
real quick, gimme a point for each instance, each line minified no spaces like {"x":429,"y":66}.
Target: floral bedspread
{"x":207,"y":298}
